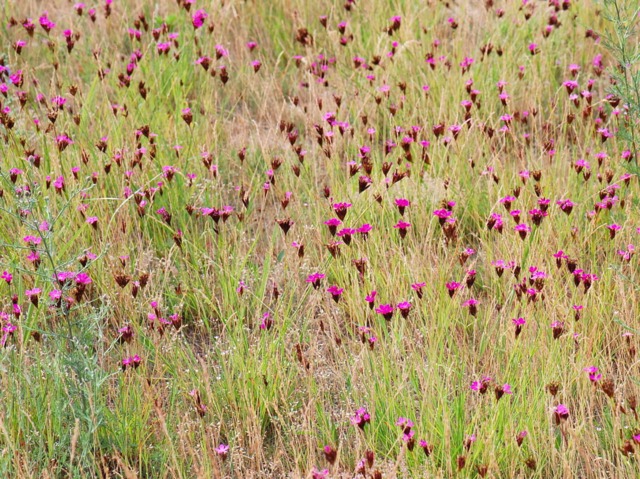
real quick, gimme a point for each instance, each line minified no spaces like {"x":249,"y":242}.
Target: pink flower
{"x":33,"y":257}
{"x":361,"y":418}
{"x":522,"y":230}
{"x":561,"y":413}
{"x":32,"y":292}
{"x":371,"y":298}
{"x":518,"y":323}
{"x":204,"y":62}
{"x":452,"y":287}
{"x":402,"y":226}
{"x":442,"y":215}
{"x":364,"y":230}
{"x":319,"y":474}
{"x":418,"y":287}
{"x":132,"y":361}
{"x":341,"y":209}
{"x":63,"y":141}
{"x":46,"y":24}
{"x":520,"y":437}
{"x":495,"y":222}
{"x":426,"y":447}
{"x":594,"y":376}
{"x":482,"y":385}
{"x":408,"y":438}
{"x":83,"y":279}
{"x":613,"y":229}
{"x":315,"y":279}
{"x":333,"y":224}
{"x":335,"y":292}
{"x":266,"y":322}
{"x":507,"y":201}
{"x":222,"y":450}
{"x":386,"y":310}
{"x":163,"y":47}
{"x":221,"y":52}
{"x":472,"y":304}
{"x":198,"y":18}
{"x":8,"y":277}
{"x":55,"y":294}
{"x":402,"y":203}
{"x":404,"y":308}
{"x":570,"y":85}
{"x":346,"y":234}
{"x":403,"y":421}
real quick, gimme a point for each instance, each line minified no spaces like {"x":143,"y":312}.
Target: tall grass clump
{"x":622,"y":40}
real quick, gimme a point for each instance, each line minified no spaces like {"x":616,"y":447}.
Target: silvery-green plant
{"x":622,"y":39}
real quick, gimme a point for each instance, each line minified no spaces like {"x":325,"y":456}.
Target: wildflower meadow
{"x":319,"y":239}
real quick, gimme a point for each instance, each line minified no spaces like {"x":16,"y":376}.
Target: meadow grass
{"x":145,"y":203}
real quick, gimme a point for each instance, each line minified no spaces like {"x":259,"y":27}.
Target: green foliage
{"x":622,"y":39}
